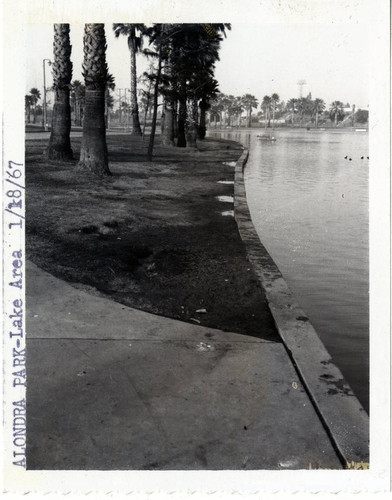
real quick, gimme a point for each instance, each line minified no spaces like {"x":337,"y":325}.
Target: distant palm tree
{"x":226,"y":101}
{"x":93,"y":152}
{"x":28,"y":104}
{"x":216,"y":110}
{"x":318,"y":107}
{"x":336,"y":111}
{"x":303,"y":107}
{"x":134,"y":32}
{"x":35,"y":97}
{"x":59,"y":142}
{"x":249,"y":101}
{"x":274,"y":100}
{"x":266,"y":105}
{"x":292,"y":107}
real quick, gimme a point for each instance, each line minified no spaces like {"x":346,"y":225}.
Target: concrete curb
{"x":344,"y":418}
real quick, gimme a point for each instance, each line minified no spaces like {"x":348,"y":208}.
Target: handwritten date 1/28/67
{"x":15,"y":194}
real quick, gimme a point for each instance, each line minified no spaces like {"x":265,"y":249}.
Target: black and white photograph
{"x":196,"y":248}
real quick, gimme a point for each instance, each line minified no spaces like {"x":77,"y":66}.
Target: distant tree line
{"x":227,"y":111}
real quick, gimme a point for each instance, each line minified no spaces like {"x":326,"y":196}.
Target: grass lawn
{"x":152,"y":236}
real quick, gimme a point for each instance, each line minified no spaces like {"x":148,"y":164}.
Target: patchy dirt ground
{"x":152,"y":236}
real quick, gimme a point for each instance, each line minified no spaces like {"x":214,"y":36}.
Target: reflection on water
{"x":310,"y":208}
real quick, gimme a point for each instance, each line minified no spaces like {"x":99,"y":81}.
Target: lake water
{"x":309,"y":205}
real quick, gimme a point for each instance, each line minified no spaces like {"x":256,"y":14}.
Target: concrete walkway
{"x":111,"y":387}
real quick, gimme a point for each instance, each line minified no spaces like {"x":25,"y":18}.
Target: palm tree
{"x":134,"y":32}
{"x":236,"y":109}
{"x":28,"y":103}
{"x":157,"y":35}
{"x":318,"y":107}
{"x":146,"y":95}
{"x":304,"y":107}
{"x":266,"y":104}
{"x":195,"y":49}
{"x":216,"y":110}
{"x":93,"y":153}
{"x":59,"y":142}
{"x":226,"y":101}
{"x":274,"y":100}
{"x":35,"y":97}
{"x":208,"y":91}
{"x":249,"y":101}
{"x":336,"y":111}
{"x":292,"y":108}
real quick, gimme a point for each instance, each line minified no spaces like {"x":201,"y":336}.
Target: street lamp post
{"x":45,"y":112}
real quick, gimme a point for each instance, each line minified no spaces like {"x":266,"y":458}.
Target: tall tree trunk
{"x":135,"y":124}
{"x":167,"y":120}
{"x":191,"y":124}
{"x":155,"y":105}
{"x":250,"y":117}
{"x":59,"y":142}
{"x":93,"y":153}
{"x":106,"y":108}
{"x":175,"y":119}
{"x":201,"y":131}
{"x":182,"y":115}
{"x":317,"y":118}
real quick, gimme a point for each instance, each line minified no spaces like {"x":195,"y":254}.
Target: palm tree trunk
{"x":201,"y":131}
{"x":249,"y":117}
{"x":316,"y":119}
{"x":93,"y":153}
{"x":155,"y":105}
{"x":135,"y":124}
{"x":59,"y":142}
{"x":191,"y":123}
{"x":106,"y":108}
{"x":182,"y":112}
{"x":175,"y":119}
{"x":167,"y":121}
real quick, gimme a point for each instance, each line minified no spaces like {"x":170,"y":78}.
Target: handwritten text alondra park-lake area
{"x":17,"y":336}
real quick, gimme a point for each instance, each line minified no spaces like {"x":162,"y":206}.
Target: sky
{"x":258,"y":59}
